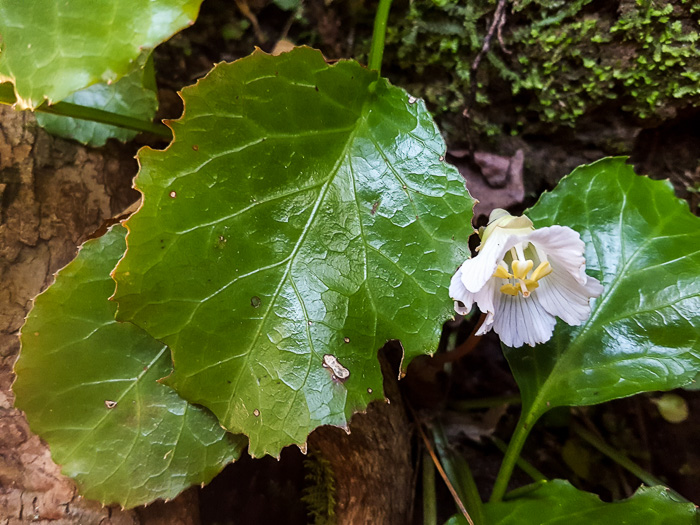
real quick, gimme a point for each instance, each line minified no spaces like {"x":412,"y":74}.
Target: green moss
{"x":567,"y":57}
{"x":319,"y":493}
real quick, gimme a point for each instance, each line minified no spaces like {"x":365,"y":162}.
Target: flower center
{"x":521,"y":278}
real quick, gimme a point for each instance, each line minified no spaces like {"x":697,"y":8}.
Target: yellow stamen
{"x":510,"y":289}
{"x":531,"y":284}
{"x":501,"y":273}
{"x":520,"y":268}
{"x":543,"y":270}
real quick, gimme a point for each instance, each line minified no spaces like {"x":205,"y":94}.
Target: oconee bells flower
{"x":522,"y":278}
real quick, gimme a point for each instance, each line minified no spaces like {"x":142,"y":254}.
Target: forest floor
{"x":510,"y":171}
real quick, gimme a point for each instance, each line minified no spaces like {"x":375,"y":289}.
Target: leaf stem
{"x":524,"y":465}
{"x":485,"y":402}
{"x":67,"y":109}
{"x":438,"y":466}
{"x":621,"y":459}
{"x":522,"y":430}
{"x":429,"y":501}
{"x":458,"y":471}
{"x":377,"y":50}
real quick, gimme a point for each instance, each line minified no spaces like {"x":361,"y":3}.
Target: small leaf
{"x":302,"y":217}
{"x":643,"y":334}
{"x":88,"y":387}
{"x":672,"y":407}
{"x":558,"y":502}
{"x":134,"y":95}
{"x":52,"y":48}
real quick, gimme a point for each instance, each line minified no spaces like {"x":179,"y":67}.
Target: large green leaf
{"x":88,"y":387}
{"x":133,"y":95}
{"x":557,"y":502}
{"x":644,"y":330}
{"x":52,"y":48}
{"x":303,"y":214}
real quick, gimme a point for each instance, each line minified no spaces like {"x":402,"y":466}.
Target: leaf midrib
{"x":574,"y":349}
{"x":291,"y":259}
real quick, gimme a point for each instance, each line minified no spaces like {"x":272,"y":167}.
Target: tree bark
{"x":53,"y":195}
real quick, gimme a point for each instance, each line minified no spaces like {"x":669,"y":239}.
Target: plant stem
{"x":621,"y":459}
{"x":458,"y":471}
{"x":522,"y":491}
{"x":67,"y":109}
{"x":485,"y":402}
{"x":429,"y":502}
{"x":377,"y":50}
{"x":512,"y":454}
{"x":438,"y":466}
{"x":525,"y":466}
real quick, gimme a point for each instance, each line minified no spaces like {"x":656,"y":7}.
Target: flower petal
{"x":561,"y":294}
{"x":460,"y":294}
{"x":477,"y":270}
{"x":521,"y":320}
{"x":485,"y":301}
{"x":564,"y":249}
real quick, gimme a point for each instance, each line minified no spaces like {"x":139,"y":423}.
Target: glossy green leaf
{"x":133,"y":95}
{"x":644,"y":330}
{"x":52,"y":48}
{"x":556,"y":502}
{"x":302,"y":217}
{"x":88,"y":387}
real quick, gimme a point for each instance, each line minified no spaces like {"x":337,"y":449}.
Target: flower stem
{"x":67,"y":109}
{"x":522,"y":430}
{"x":377,"y":50}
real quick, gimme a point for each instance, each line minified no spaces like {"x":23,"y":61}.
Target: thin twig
{"x":465,"y":348}
{"x":499,"y":33}
{"x":244,"y":8}
{"x":444,"y":477}
{"x":499,"y":19}
{"x":290,"y":21}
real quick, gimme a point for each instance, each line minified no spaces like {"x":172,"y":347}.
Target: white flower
{"x":522,"y":278}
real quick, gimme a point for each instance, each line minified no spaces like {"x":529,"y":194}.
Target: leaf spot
{"x":441,"y":158}
{"x":374,"y":208}
{"x":255,"y":301}
{"x":110,"y":404}
{"x":346,"y":339}
{"x":173,"y":194}
{"x":195,"y":147}
{"x":369,"y":390}
{"x":412,"y":100}
{"x":256,"y":412}
{"x":339,"y":372}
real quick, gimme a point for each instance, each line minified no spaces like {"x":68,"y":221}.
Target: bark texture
{"x":53,"y":195}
